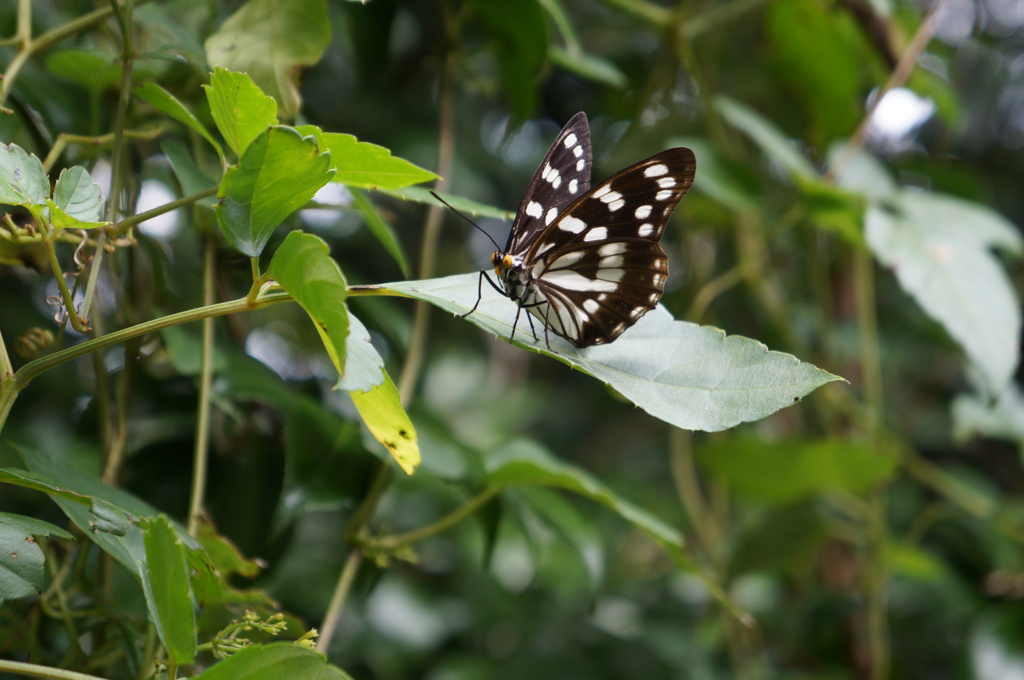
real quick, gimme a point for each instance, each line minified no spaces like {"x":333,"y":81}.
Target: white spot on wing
{"x":571,"y":279}
{"x":596,"y":234}
{"x":615,"y":205}
{"x":570,"y":139}
{"x":611,"y":262}
{"x":645,"y":230}
{"x":573,"y":225}
{"x":574,"y":186}
{"x":567,"y":260}
{"x":578,"y":151}
{"x":666,"y":182}
{"x":643,"y":212}
{"x":663,"y":195}
{"x":591,"y":305}
{"x":603,"y":190}
{"x":580,"y":164}
{"x":547,"y":171}
{"x":656,"y":170}
{"x":556,"y":181}
{"x":607,"y":196}
{"x":534,"y":209}
{"x":609,"y":249}
{"x":613,"y":275}
{"x":552,"y":214}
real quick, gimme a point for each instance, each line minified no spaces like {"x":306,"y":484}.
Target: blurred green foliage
{"x":552,"y":530}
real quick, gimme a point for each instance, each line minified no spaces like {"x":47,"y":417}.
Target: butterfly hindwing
{"x":562,"y":177}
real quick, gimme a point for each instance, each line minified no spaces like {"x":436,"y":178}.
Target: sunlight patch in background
{"x":896,"y":119}
{"x":154,"y":194}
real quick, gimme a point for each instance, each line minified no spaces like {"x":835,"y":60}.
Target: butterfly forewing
{"x":597,"y":265}
{"x":563,"y":176}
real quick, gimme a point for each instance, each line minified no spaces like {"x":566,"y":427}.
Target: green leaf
{"x":303,"y":266}
{"x":272,"y":40}
{"x":782,"y":472}
{"x":520,"y":31}
{"x":523,"y":463}
{"x":190,"y":176}
{"x":565,"y":520}
{"x":938,"y":248}
{"x":717,"y":179}
{"x":92,"y":69}
{"x":589,"y":66}
{"x":463,"y":205}
{"x":240,"y":109}
{"x":380,"y":229}
{"x":361,"y":164}
{"x":278,"y":174}
{"x":820,"y":57}
{"x":102,"y":512}
{"x":77,"y":202}
{"x":381,"y":409}
{"x":23,"y":180}
{"x":694,"y":377}
{"x":21,"y":559}
{"x":164,"y":101}
{"x":767,"y":136}
{"x":274,"y":662}
{"x":165,"y":581}
{"x":364,"y":366}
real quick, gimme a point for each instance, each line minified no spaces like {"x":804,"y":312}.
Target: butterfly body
{"x":587,"y":262}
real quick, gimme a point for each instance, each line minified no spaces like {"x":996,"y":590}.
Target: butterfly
{"x":586,"y":262}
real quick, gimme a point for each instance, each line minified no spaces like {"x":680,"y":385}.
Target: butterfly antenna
{"x":467,"y":219}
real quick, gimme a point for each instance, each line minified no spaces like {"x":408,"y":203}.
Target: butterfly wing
{"x":563,"y":176}
{"x":598,"y":264}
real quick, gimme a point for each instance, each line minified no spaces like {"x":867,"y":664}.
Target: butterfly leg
{"x":480,"y":293}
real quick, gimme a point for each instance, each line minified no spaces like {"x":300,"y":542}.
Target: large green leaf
{"x":523,"y":463}
{"x":938,"y":248}
{"x":771,"y":140}
{"x":691,"y":376}
{"x":303,"y":266}
{"x":239,"y":108}
{"x":361,"y":164}
{"x":21,"y":559}
{"x":163,"y":100}
{"x":165,"y":582}
{"x":272,"y":40}
{"x":274,"y":662}
{"x":23,"y":180}
{"x":788,"y":471}
{"x":278,"y":174}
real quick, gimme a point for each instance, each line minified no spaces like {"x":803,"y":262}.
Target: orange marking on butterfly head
{"x":502,"y":262}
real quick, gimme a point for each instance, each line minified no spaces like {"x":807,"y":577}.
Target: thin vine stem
{"x":201,"y":449}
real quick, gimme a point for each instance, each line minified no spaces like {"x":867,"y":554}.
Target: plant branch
{"x":201,"y":450}
{"x":333,"y":615}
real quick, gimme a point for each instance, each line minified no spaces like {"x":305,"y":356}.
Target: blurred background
{"x":873,"y":530}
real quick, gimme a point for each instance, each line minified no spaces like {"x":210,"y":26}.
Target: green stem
{"x":341,"y":591}
{"x":33,"y":368}
{"x":202,"y":442}
{"x":876,"y":573}
{"x":395,"y":541}
{"x":131,"y":221}
{"x":32,"y":670}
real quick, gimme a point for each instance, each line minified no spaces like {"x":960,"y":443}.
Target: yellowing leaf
{"x":382,"y":411}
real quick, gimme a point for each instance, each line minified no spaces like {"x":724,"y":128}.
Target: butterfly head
{"x":502,"y":262}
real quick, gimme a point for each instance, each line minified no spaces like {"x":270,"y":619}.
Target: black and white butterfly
{"x":586,"y":262}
